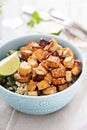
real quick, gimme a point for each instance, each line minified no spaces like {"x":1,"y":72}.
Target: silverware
{"x":70,"y":28}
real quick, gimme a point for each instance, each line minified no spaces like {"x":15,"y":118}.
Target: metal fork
{"x":70,"y":28}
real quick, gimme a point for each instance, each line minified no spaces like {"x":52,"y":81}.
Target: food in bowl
{"x":45,"y":68}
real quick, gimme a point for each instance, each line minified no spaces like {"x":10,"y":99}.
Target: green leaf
{"x":35,"y":19}
{"x":0,"y":10}
{"x":31,"y":23}
{"x":57,"y":33}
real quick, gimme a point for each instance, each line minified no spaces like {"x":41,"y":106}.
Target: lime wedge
{"x":9,"y":64}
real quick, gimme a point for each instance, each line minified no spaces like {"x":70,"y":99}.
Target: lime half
{"x":9,"y":64}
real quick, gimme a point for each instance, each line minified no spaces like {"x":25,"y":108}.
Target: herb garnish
{"x":0,"y":10}
{"x":57,"y":33}
{"x":35,"y":19}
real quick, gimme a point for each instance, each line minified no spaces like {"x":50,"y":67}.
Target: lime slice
{"x":9,"y":64}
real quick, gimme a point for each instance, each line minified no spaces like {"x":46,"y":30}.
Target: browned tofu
{"x":24,"y":48}
{"x":32,"y":62}
{"x":58,"y":81}
{"x":60,"y":52}
{"x":46,"y":54}
{"x":54,"y":44}
{"x":37,"y":75}
{"x":44,"y":64}
{"x":58,"y":73}
{"x":76,"y":70}
{"x":25,"y":54}
{"x":62,"y":87}
{"x":32,"y":85}
{"x":32,"y":93}
{"x":42,"y":84}
{"x":54,"y":53}
{"x":29,"y":46}
{"x":47,"y":47}
{"x":24,"y":69}
{"x":41,"y":68}
{"x":61,"y":66}
{"x":68,"y":76}
{"x":48,"y":78}
{"x":39,"y":55}
{"x":50,"y":90}
{"x":69,"y":62}
{"x":34,"y":48}
{"x":67,"y":52}
{"x":43,"y":43}
{"x":32,"y":45}
{"x":53,"y":61}
{"x":22,"y":79}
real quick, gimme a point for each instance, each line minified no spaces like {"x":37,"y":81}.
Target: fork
{"x":70,"y":28}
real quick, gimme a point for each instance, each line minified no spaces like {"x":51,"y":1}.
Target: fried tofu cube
{"x":24,"y":48}
{"x":62,"y":87}
{"x":25,"y":54}
{"x":58,"y":73}
{"x":47,"y":47}
{"x":61,"y":66}
{"x":60,"y":52}
{"x":32,"y":62}
{"x":41,"y":68}
{"x":44,"y":64}
{"x":54,"y":53}
{"x":76,"y":70}
{"x":28,"y":46}
{"x":32,"y":45}
{"x":69,"y":62}
{"x":22,"y":79}
{"x":53,"y":61}
{"x":34,"y":48}
{"x":37,"y":75}
{"x":24,"y":69}
{"x":32,"y":85}
{"x":39,"y":55}
{"x":32,"y":93}
{"x":67,"y":52}
{"x":68,"y":76}
{"x":50,"y":90}
{"x":54,"y":44}
{"x":43,"y":43}
{"x":46,"y":54}
{"x":42,"y":84}
{"x":48,"y":78}
{"x":58,"y":81}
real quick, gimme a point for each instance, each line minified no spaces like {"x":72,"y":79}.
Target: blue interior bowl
{"x":38,"y":105}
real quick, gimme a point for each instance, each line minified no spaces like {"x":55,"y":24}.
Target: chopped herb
{"x":13,"y":81}
{"x":57,"y":33}
{"x":30,"y":57}
{"x":35,"y":19}
{"x":0,"y":10}
{"x":31,"y":23}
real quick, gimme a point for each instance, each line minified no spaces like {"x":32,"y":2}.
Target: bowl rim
{"x":63,"y":40}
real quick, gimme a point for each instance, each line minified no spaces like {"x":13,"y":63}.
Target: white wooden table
{"x":74,"y":115}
